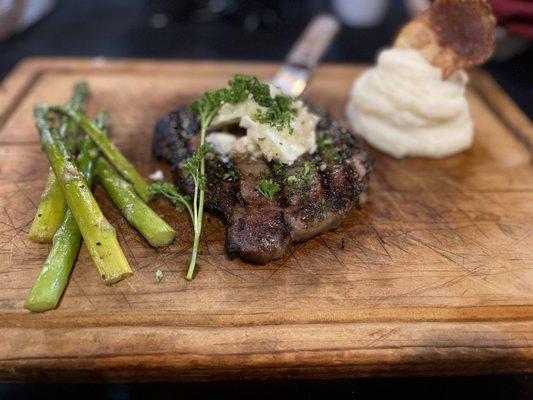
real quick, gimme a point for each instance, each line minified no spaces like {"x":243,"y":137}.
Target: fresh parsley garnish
{"x":305,"y":175}
{"x":193,"y":165}
{"x":268,"y":188}
{"x":230,"y":176}
{"x":322,"y":208}
{"x":278,"y":113}
{"x":158,"y":276}
{"x":169,"y":191}
{"x":324,"y":142}
{"x":279,"y":169}
{"x":340,"y":156}
{"x":292,"y":180}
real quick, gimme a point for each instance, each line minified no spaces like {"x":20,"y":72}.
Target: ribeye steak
{"x":259,"y":230}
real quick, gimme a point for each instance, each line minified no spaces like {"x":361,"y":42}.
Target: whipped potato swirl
{"x":403,"y":107}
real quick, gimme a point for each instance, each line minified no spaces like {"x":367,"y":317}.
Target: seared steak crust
{"x":260,"y":230}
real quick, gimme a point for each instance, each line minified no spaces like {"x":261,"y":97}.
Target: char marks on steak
{"x":259,"y":229}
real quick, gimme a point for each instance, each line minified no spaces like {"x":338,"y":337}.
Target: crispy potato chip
{"x":452,"y":34}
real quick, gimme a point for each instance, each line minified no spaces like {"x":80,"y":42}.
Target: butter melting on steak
{"x":327,"y":185}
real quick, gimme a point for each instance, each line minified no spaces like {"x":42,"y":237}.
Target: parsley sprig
{"x":169,"y":191}
{"x":193,"y":165}
{"x":207,"y":107}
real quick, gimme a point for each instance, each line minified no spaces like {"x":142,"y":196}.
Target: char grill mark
{"x":307,"y":211}
{"x":222,"y":190}
{"x":249,"y":174}
{"x":259,"y":229}
{"x":258,"y":235}
{"x":172,"y":134}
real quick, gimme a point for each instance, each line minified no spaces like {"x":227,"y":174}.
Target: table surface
{"x":432,"y":275}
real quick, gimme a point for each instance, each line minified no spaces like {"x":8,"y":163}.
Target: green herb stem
{"x":169,"y":191}
{"x":199,"y":194}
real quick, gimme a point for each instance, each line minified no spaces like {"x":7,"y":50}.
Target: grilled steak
{"x":258,"y":229}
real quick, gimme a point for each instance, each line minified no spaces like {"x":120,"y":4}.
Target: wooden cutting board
{"x":433,"y":275}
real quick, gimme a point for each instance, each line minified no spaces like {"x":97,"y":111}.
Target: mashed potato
{"x":403,"y":107}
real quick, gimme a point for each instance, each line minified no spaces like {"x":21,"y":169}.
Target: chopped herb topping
{"x":292,"y":180}
{"x":340,"y":156}
{"x":277,"y":111}
{"x":280,"y":170}
{"x":322,"y":208}
{"x":305,"y":175}
{"x":230,"y":176}
{"x":169,"y":191}
{"x":324,"y":142}
{"x":158,"y":276}
{"x":268,"y":188}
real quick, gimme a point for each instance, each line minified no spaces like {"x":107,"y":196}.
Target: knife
{"x":303,"y":57}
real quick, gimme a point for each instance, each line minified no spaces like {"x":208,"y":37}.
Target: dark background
{"x":258,"y":30}
{"x":486,"y":388}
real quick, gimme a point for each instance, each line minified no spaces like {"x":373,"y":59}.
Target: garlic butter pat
{"x":284,"y":144}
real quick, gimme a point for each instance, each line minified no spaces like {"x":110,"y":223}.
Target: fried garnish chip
{"x":452,"y":34}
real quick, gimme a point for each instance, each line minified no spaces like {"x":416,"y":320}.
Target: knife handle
{"x":313,"y":42}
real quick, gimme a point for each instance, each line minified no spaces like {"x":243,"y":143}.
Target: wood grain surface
{"x":433,"y":275}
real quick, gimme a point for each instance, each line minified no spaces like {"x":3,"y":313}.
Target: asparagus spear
{"x":98,"y":233}
{"x":49,"y":212}
{"x":68,"y":128}
{"x":52,"y":206}
{"x":52,"y":281}
{"x":115,"y":157}
{"x":154,"y":229}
